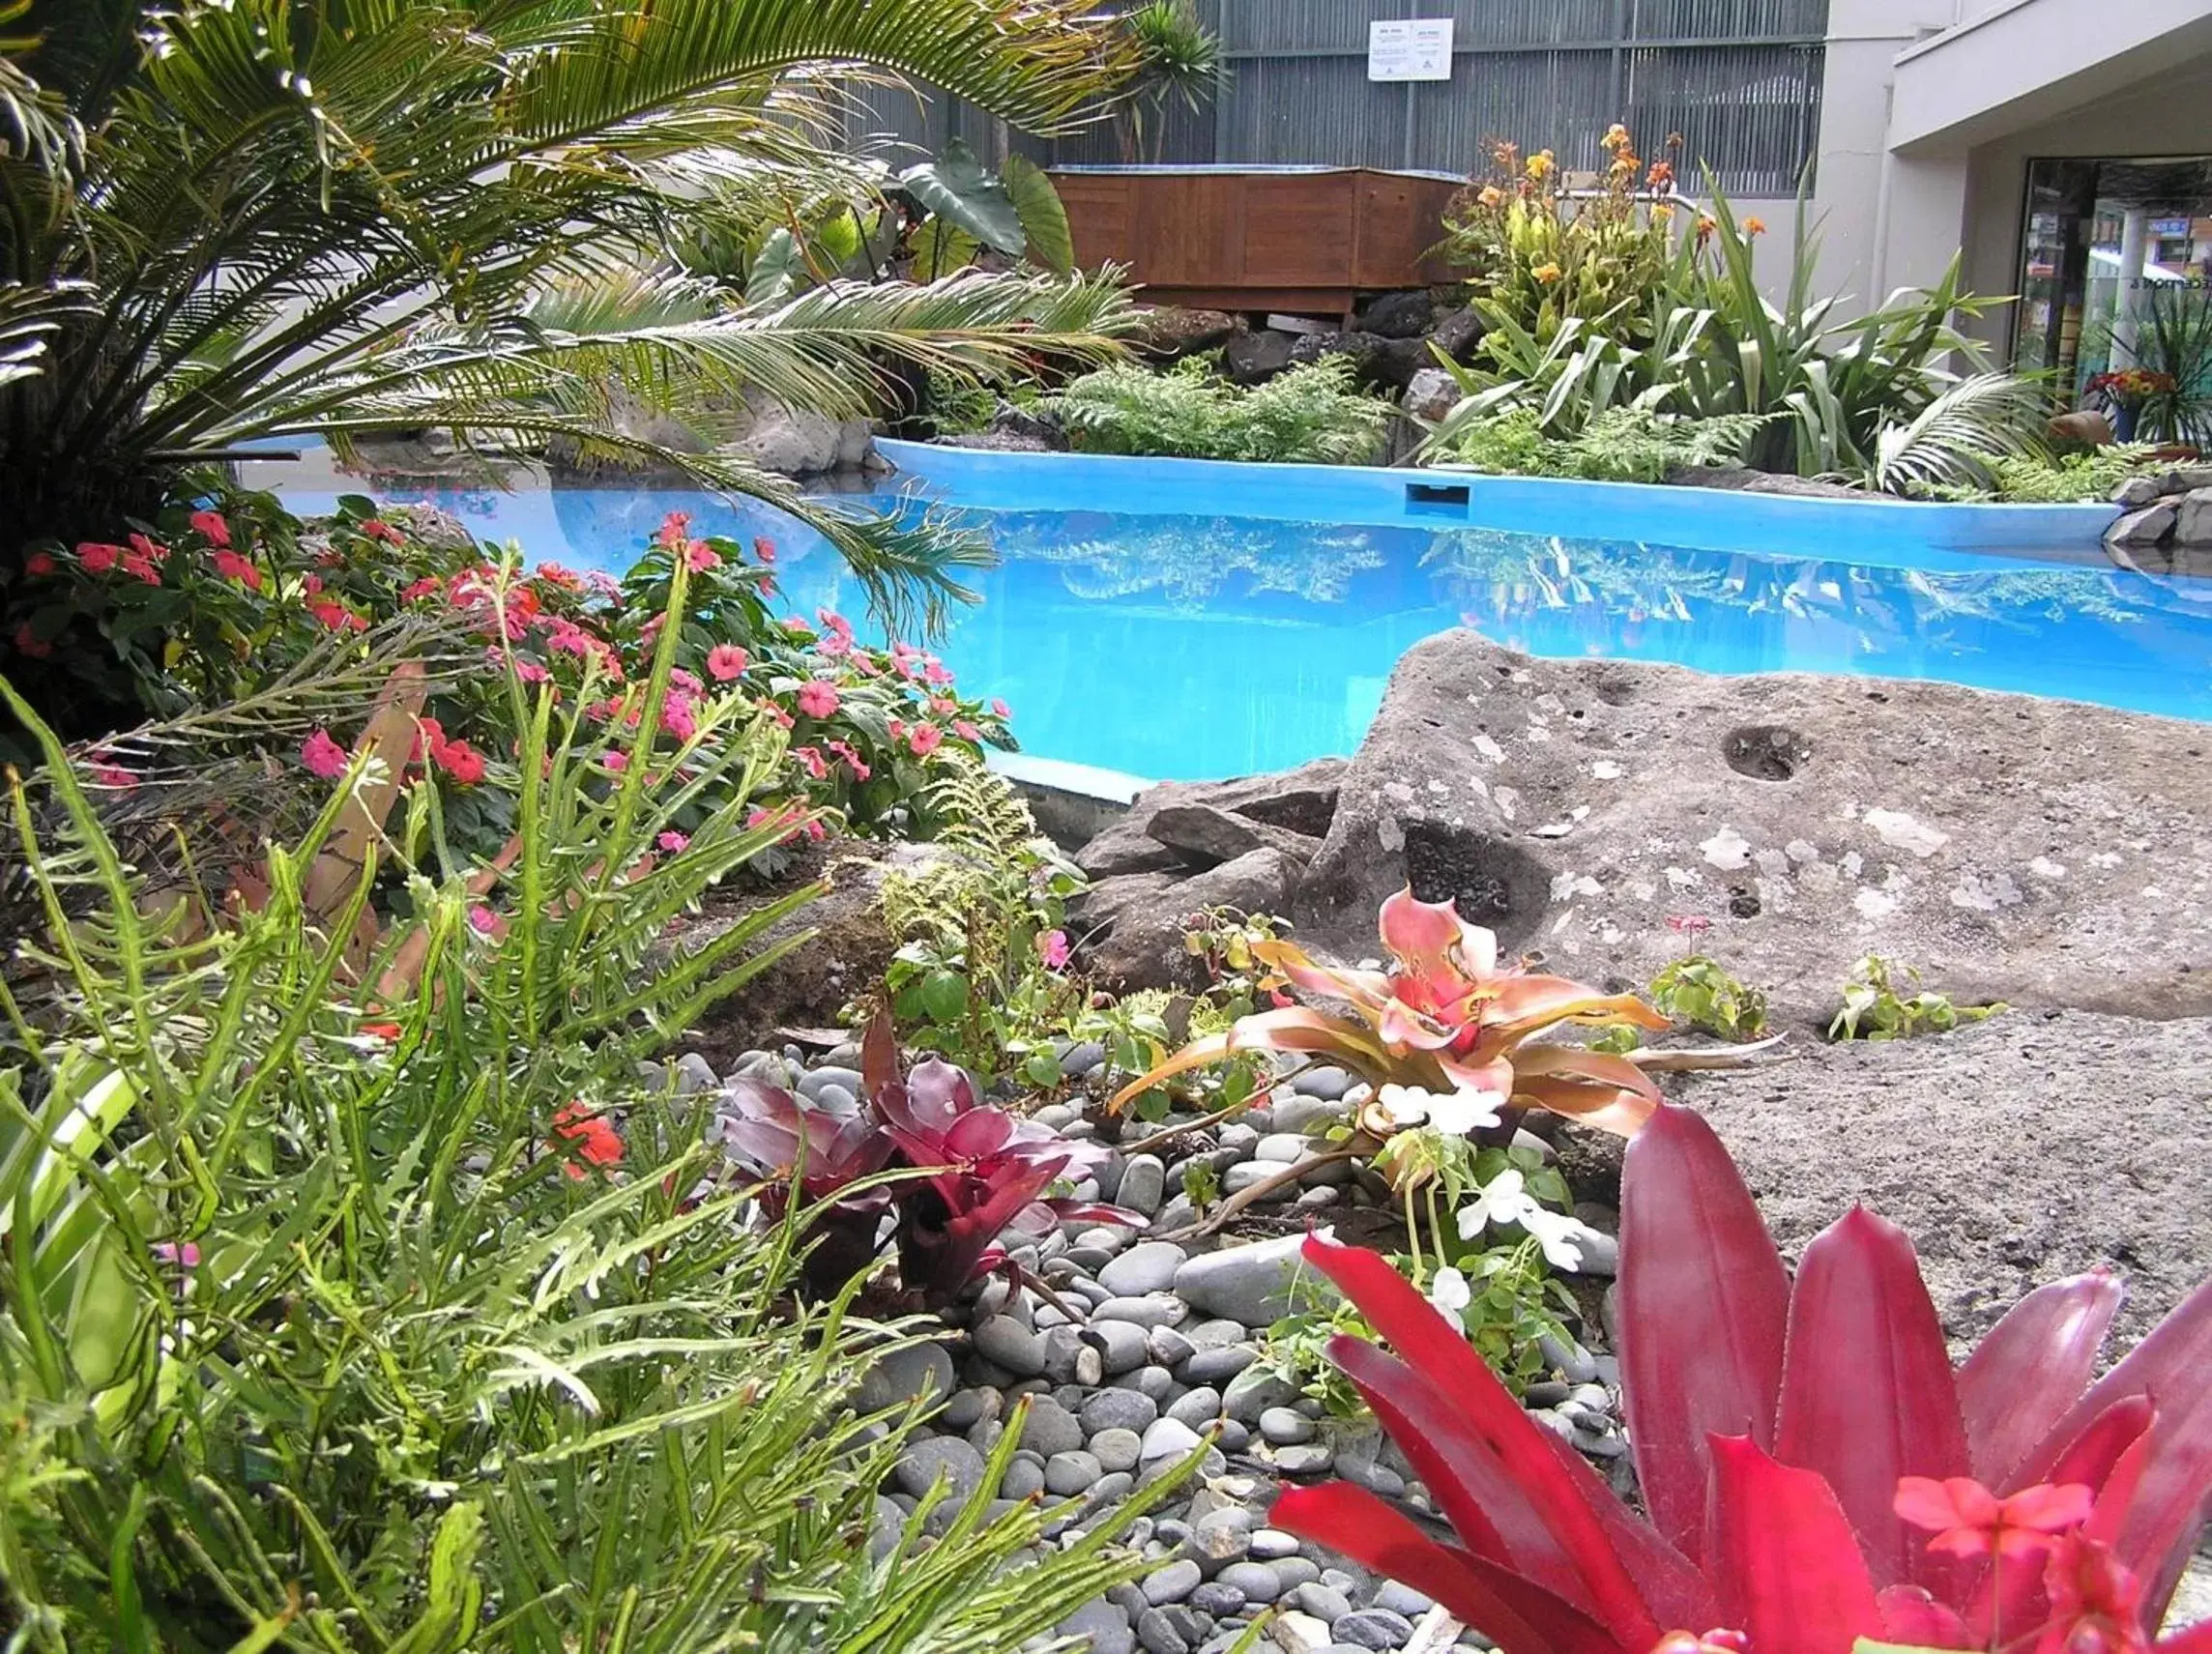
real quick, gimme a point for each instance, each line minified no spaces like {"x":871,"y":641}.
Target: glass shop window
{"x":2115,"y":286}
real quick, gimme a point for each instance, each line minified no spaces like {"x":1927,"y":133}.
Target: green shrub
{"x":2091,"y":477}
{"x":1621,"y":445}
{"x":358,"y":1293}
{"x":1313,"y":414}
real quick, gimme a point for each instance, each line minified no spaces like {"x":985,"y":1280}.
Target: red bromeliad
{"x":985,"y":1170}
{"x":776,"y":1137}
{"x":1445,"y":1020}
{"x":1794,"y":1441}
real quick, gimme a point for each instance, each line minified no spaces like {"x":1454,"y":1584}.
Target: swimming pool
{"x":1180,"y":644}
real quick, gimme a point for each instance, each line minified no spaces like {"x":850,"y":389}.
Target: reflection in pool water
{"x":1191,"y":647}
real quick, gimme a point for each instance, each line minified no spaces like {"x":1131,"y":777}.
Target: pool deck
{"x":1875,"y":530}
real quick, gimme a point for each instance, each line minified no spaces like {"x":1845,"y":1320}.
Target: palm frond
{"x":1960,"y":436}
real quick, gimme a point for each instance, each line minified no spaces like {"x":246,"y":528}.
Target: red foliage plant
{"x":1797,"y":1442}
{"x":980,"y":1170}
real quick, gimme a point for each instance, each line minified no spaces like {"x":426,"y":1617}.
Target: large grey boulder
{"x":2035,"y":851}
{"x":2013,"y":1152}
{"x":1145,"y":948}
{"x":1302,"y":800}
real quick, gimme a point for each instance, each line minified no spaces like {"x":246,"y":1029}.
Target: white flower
{"x":1560,"y":1235}
{"x":1463,"y":1112}
{"x":1450,"y":1293}
{"x":1405,"y":1105}
{"x":1502,"y":1200}
{"x":1506,"y":1199}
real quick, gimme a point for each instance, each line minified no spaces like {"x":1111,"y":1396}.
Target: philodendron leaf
{"x":775,"y":270}
{"x":956,"y":186}
{"x":940,"y":249}
{"x":1050,"y":243}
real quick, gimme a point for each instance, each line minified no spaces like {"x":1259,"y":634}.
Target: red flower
{"x":98,"y":557}
{"x":29,"y":643}
{"x":38,"y":562}
{"x":376,"y":527}
{"x":386,"y":1030}
{"x":426,"y":587}
{"x":1969,"y":1521}
{"x":323,"y":756}
{"x":587,"y":1137}
{"x":210,"y":527}
{"x":232,"y":566}
{"x":335,"y":616}
{"x":462,"y":761}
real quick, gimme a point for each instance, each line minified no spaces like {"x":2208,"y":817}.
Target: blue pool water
{"x":1188,"y":647}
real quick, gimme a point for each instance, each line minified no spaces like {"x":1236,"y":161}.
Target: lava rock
{"x":1255,"y":357}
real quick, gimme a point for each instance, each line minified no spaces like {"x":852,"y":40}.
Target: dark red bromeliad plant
{"x":980,"y":1170}
{"x":1816,"y":1472}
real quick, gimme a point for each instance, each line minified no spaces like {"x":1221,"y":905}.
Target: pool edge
{"x":1706,"y":520}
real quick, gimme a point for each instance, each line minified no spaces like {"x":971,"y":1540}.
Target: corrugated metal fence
{"x":1739,"y":80}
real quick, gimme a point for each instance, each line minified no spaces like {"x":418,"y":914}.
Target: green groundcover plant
{"x":355,"y":1291}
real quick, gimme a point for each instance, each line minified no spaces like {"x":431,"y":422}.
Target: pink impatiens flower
{"x":810,"y":760}
{"x":675,"y":529}
{"x":1000,"y":708}
{"x":1053,"y":949}
{"x":483,"y":921}
{"x":675,"y":843}
{"x":700,"y":556}
{"x":817,"y":699}
{"x":764,"y":548}
{"x":1969,"y":1521}
{"x":98,"y":557}
{"x":233,"y":566}
{"x":617,"y":762}
{"x":725,"y":661}
{"x":965,"y":731}
{"x":925,"y":739}
{"x":323,"y":756}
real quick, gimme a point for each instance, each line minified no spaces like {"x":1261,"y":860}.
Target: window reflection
{"x":2114,"y":302}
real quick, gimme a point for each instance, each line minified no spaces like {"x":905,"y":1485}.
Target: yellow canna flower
{"x":1540,"y":164}
{"x":1546,"y":274}
{"x":1755,"y":226}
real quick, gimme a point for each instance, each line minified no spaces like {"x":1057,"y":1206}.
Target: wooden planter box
{"x":1305,"y":241}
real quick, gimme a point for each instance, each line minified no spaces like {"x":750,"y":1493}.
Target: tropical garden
{"x":384,"y":1267}
{"x":1611,"y":327}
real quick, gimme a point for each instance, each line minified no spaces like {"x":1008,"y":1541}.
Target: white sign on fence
{"x":1419,"y":48}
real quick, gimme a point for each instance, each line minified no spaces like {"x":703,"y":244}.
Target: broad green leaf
{"x":1043,"y":217}
{"x":775,"y":272}
{"x":940,"y":249}
{"x":956,"y":186}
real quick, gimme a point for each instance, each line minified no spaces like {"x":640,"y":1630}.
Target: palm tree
{"x":1178,"y":61}
{"x":224,"y":221}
